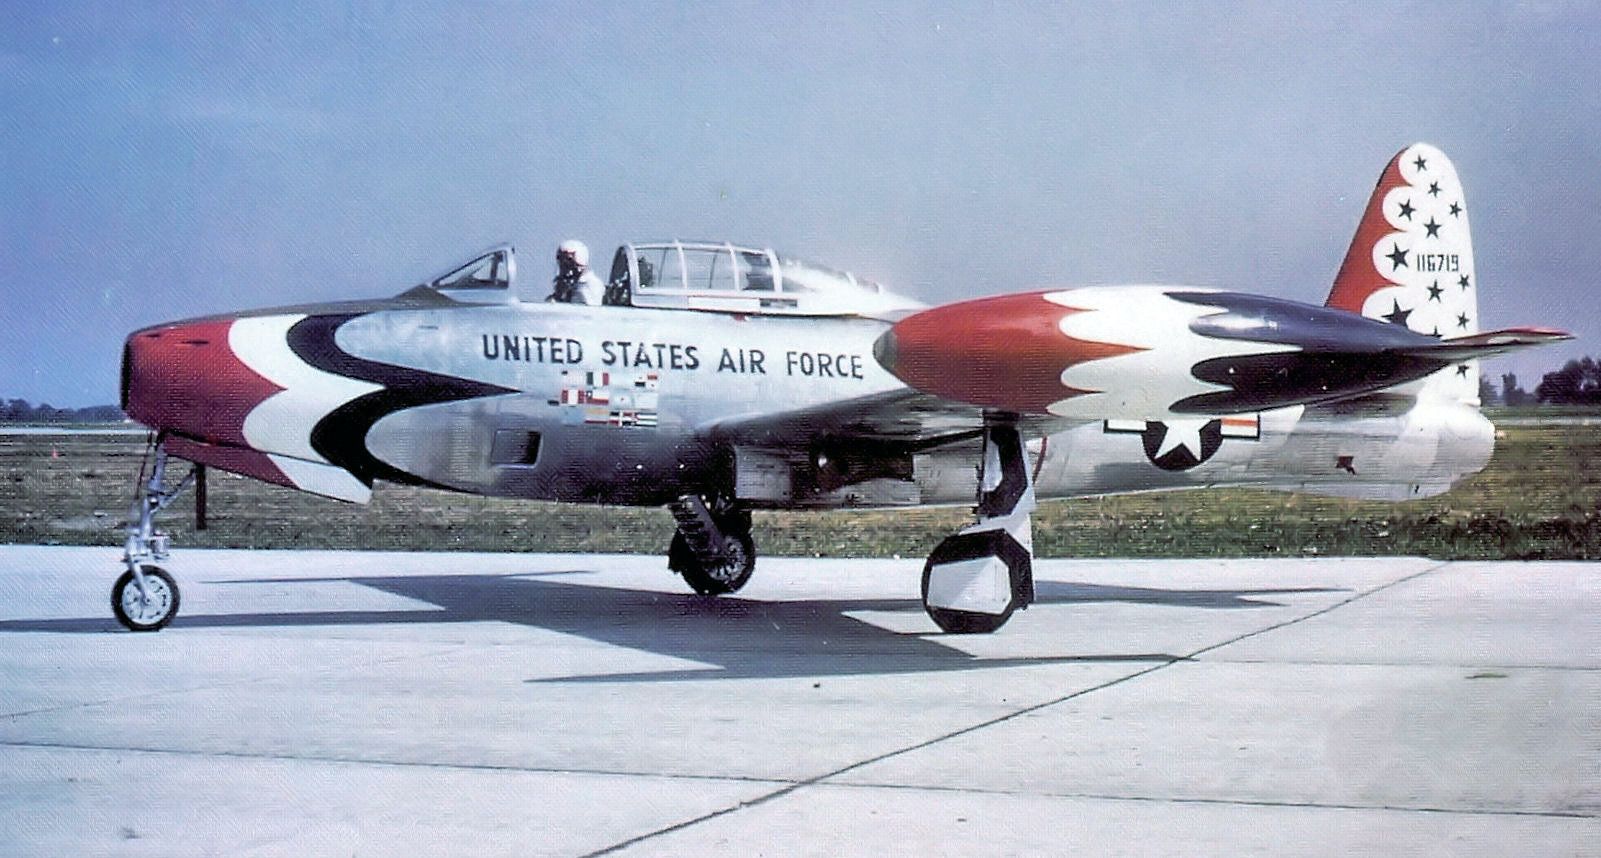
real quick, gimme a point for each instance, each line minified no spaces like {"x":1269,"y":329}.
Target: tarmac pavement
{"x":370,"y":703}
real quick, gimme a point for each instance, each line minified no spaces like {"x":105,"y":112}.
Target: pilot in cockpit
{"x":575,"y":283}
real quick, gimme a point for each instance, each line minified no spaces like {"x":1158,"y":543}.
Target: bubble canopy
{"x":733,"y":278}
{"x":696,"y":275}
{"x":494,"y":269}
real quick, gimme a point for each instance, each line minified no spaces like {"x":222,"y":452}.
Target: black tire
{"x":963,"y":622}
{"x":157,"y":615}
{"x":727,"y":577}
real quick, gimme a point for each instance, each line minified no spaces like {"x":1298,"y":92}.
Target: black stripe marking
{"x":341,"y":436}
{"x":1261,"y":382}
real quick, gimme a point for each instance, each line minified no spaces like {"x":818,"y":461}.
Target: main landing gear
{"x":974,"y":580}
{"x":712,"y":548}
{"x":145,"y":597}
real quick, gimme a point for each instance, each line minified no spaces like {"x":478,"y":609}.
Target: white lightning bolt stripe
{"x":281,"y":425}
{"x":327,"y":480}
{"x":1141,"y":384}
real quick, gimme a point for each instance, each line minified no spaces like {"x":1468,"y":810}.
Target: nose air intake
{"x":184,"y":378}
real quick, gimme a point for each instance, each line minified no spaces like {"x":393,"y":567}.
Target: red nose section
{"x":184,"y":378}
{"x":1007,"y":352}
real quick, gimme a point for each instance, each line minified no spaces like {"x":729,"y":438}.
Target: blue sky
{"x":162,"y":162}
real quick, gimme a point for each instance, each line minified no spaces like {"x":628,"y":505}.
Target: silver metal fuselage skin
{"x":628,"y":404}
{"x":707,"y":368}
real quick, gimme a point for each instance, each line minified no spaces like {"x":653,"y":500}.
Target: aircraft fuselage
{"x":623,"y":405}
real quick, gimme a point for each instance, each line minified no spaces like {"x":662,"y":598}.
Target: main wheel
{"x":962,"y":622}
{"x":989,"y":547}
{"x":726,"y":575}
{"x":145,"y":614}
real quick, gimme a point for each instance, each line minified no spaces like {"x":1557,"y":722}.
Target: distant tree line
{"x":1511,"y":393}
{"x":1578,"y":382}
{"x":23,"y":411}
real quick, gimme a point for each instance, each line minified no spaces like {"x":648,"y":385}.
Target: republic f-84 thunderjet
{"x":717,"y":378}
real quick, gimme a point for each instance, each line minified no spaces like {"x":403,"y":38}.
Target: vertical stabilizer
{"x":1411,"y":262}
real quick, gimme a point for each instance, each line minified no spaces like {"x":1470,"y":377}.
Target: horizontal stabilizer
{"x":1485,"y":344}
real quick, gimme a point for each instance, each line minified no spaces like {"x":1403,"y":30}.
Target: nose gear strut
{"x":145,"y":597}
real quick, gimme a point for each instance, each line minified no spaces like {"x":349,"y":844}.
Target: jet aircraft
{"x":718,"y":378}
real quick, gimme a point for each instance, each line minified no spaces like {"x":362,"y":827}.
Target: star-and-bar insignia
{"x":1433,"y":228}
{"x":1434,"y":291}
{"x":1397,"y":257}
{"x":1407,"y":209}
{"x":1456,"y":209}
{"x":1434,"y":189}
{"x":1421,"y":163}
{"x":1183,"y":444}
{"x":1397,"y":316}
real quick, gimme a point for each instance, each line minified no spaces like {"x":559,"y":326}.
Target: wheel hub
{"x":150,"y":606}
{"x":729,"y":565}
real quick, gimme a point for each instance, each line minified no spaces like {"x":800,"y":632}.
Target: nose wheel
{"x":145,"y":601}
{"x":145,"y":597}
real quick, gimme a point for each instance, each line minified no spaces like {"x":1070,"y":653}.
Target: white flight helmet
{"x":574,"y":249}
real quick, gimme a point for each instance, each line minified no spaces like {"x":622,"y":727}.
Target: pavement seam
{"x":1404,"y":579}
{"x":1001,"y":719}
{"x":1452,"y":665}
{"x":1241,"y":802}
{"x":374,"y":761}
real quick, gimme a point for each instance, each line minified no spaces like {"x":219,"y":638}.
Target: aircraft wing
{"x":905,"y":416}
{"x":1162,"y":353}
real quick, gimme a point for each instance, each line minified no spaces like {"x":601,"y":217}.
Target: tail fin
{"x":1411,"y":262}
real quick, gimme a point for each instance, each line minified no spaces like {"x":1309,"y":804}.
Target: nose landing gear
{"x":145,"y":597}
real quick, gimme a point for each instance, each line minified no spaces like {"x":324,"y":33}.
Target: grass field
{"x":1539,"y":498}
